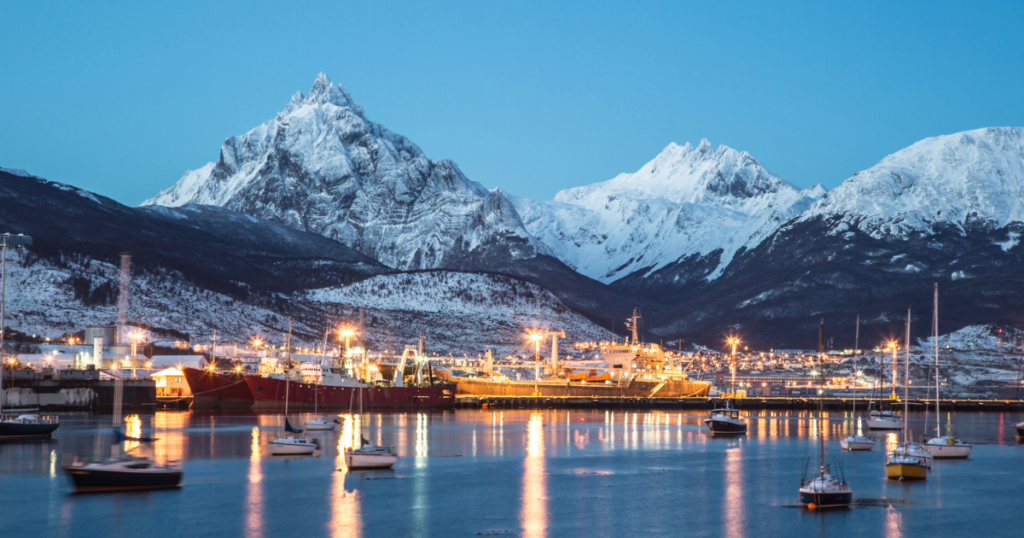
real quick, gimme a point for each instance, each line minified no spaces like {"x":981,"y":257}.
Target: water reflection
{"x":534,"y":516}
{"x":254,"y":489}
{"x":893,"y":522}
{"x":345,"y":519}
{"x":734,"y":509}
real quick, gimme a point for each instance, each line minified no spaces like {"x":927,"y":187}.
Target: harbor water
{"x":545,"y":473}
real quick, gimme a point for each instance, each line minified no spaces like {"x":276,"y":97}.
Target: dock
{"x":703,"y":404}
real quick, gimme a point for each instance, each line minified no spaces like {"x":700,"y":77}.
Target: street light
{"x":733,"y":341}
{"x":135,"y":340}
{"x":536,"y":337}
{"x":893,"y":346}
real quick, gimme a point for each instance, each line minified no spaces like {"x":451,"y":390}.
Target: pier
{"x":836,"y":404}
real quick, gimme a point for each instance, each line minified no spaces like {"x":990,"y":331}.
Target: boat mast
{"x":821,"y":390}
{"x":935,"y":333}
{"x":856,"y":344}
{"x":906,"y":382}
{"x":287,"y":374}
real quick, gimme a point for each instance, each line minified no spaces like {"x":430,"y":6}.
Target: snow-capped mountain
{"x":964,"y":180}
{"x":689,"y":206}
{"x":196,"y":269}
{"x":321,"y":166}
{"x":948,"y":209}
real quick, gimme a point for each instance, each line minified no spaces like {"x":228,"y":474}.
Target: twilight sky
{"x":121,"y":98}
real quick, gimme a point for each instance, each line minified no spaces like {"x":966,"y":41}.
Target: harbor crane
{"x":538,"y":335}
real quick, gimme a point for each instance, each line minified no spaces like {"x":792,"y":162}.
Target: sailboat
{"x":879,"y":419}
{"x":943,"y":446}
{"x":903,"y":463}
{"x":824,"y":490}
{"x":319,"y":424}
{"x":122,"y":471}
{"x":369,"y":456}
{"x":294,"y":445}
{"x":856,"y":442}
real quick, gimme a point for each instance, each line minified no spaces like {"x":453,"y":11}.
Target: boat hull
{"x":676,"y":388}
{"x":269,"y":394}
{"x":724,"y":427}
{"x":212,"y":390}
{"x":278,"y":449}
{"x":87,"y":480}
{"x":905,"y":471}
{"x":884,"y":425}
{"x":856,"y":445}
{"x":823,"y":500}
{"x":360,"y":462}
{"x":14,"y":430}
{"x":1020,"y":429}
{"x":949,"y":451}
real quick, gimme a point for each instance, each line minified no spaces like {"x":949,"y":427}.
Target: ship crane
{"x":538,"y":335}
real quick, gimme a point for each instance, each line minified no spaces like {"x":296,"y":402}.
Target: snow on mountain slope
{"x":973,"y":178}
{"x":321,"y":166}
{"x":686,"y":201}
{"x":458,"y":312}
{"x":466,"y":311}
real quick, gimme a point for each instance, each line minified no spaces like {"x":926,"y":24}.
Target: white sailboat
{"x":319,"y":424}
{"x":824,"y":490}
{"x":294,"y":445}
{"x":884,"y":420}
{"x":856,"y":442}
{"x":906,"y":461}
{"x":943,"y":446}
{"x":369,"y":456}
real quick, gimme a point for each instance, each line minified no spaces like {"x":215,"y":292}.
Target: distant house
{"x":171,"y":383}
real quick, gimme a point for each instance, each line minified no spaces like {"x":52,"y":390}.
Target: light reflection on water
{"x":531,"y":473}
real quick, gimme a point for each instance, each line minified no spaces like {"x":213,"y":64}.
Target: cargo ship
{"x":630,"y":370}
{"x":332,"y":387}
{"x":217,"y":390}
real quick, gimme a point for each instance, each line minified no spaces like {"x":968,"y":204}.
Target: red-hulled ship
{"x":216,"y":390}
{"x":269,"y":393}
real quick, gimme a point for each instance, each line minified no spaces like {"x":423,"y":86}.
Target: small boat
{"x":903,"y":466}
{"x":27,"y":427}
{"x":370,"y":456}
{"x":948,"y":447}
{"x":908,"y":461}
{"x":824,"y":491}
{"x":884,"y":420}
{"x":319,"y":424}
{"x":1020,"y":428}
{"x":122,"y":474}
{"x":940,"y":446}
{"x":856,"y":442}
{"x":293,"y":446}
{"x":725,"y":421}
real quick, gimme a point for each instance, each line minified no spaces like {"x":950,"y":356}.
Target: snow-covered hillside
{"x":459,"y":313}
{"x":321,"y":166}
{"x":972,"y":178}
{"x":686,"y":201}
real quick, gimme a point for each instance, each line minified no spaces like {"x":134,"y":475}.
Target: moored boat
{"x":370,"y":457}
{"x":122,"y":474}
{"x":725,"y":421}
{"x":27,"y":427}
{"x":902,"y":466}
{"x":292,"y":446}
{"x":826,"y":491}
{"x":857,"y":442}
{"x":940,"y":446}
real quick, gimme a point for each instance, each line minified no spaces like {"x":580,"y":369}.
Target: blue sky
{"x":122,"y":98}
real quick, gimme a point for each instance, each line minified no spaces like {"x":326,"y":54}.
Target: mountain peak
{"x":962,"y":179}
{"x":326,"y":92}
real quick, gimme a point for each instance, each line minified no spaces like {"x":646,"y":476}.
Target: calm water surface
{"x":520,"y":473}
